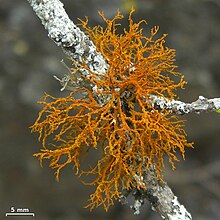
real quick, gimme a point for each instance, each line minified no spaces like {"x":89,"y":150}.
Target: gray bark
{"x":80,"y":48}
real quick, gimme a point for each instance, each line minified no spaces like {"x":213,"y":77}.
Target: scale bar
{"x":19,"y":214}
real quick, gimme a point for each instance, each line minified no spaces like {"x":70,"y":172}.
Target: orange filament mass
{"x":126,"y":133}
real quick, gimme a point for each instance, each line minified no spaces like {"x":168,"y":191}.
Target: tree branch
{"x":160,"y":196}
{"x":81,"y":49}
{"x":70,"y":38}
{"x":201,"y":105}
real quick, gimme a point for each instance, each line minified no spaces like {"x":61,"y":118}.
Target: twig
{"x":160,"y":196}
{"x":201,"y":105}
{"x":70,"y":38}
{"x":80,"y":48}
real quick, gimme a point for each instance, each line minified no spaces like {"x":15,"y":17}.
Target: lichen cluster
{"x":127,"y":132}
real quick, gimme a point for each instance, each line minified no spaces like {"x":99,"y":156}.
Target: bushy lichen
{"x":128,"y":131}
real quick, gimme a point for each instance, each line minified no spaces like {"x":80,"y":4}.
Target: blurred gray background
{"x":29,"y":59}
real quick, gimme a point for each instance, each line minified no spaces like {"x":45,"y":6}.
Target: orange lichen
{"x":127,"y":132}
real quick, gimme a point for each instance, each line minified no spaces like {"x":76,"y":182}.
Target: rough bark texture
{"x":201,"y":105}
{"x":78,"y":46}
{"x":67,"y":35}
{"x":160,"y":196}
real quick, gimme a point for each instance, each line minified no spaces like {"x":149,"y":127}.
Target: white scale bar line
{"x":17,"y":213}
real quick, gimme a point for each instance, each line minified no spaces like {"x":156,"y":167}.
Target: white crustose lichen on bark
{"x":81,"y":49}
